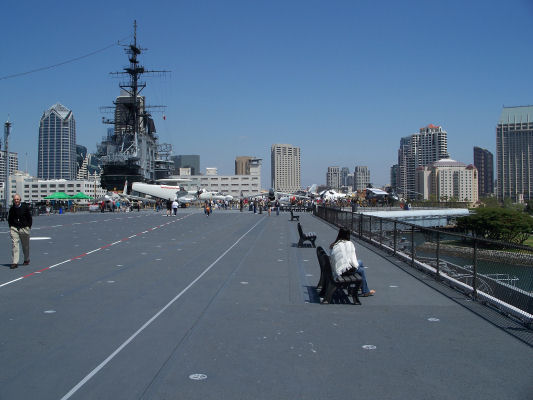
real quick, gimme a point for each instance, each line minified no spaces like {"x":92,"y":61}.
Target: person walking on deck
{"x":20,"y":221}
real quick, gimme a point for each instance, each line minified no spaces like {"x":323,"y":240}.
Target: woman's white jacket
{"x":343,"y":257}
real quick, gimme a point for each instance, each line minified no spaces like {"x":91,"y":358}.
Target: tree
{"x":503,"y":224}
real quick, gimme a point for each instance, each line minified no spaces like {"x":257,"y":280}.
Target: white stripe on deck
{"x":147,"y":323}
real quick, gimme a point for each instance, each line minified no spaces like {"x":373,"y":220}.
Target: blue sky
{"x":343,"y":80}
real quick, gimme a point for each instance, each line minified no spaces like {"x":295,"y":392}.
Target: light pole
{"x":7,"y":131}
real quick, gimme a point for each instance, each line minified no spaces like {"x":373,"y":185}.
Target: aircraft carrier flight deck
{"x":142,"y":306}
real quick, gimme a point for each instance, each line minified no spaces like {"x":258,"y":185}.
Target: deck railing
{"x":495,"y":273}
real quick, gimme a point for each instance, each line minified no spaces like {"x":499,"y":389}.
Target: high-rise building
{"x":191,"y":161}
{"x":361,"y":177}
{"x":448,"y":180}
{"x":349,"y":181}
{"x":484,"y":162}
{"x":430,"y":144}
{"x":514,"y":153}
{"x":13,"y":164}
{"x":394,"y":177}
{"x":242,"y":165}
{"x":285,"y":167}
{"x":333,"y":178}
{"x":57,"y":144}
{"x":344,"y":176}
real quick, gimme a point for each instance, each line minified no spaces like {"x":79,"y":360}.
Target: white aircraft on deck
{"x":331,"y":195}
{"x":288,"y":198}
{"x":166,"y":190}
{"x":204,"y":194}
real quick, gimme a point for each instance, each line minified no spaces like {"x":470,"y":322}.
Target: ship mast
{"x":133,"y":143}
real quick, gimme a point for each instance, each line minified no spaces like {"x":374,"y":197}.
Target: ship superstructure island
{"x":130,"y":152}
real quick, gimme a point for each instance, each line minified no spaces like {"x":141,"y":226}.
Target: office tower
{"x":430,"y":144}
{"x":361,"y":178}
{"x":394,"y":177}
{"x":344,"y":176}
{"x":187,"y":161}
{"x":242,"y":165}
{"x":514,"y":153}
{"x":448,"y":179}
{"x":349,"y":180}
{"x":484,"y":162}
{"x":333,"y":178}
{"x":285,"y":167}
{"x":13,"y":164}
{"x":57,"y":144}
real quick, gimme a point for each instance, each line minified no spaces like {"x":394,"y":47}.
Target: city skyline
{"x":344,"y":81}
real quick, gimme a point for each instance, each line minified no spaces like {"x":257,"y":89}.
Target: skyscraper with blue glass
{"x":57,"y":144}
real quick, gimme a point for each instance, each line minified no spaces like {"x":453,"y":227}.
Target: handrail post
{"x":370,"y":228}
{"x":395,"y":233}
{"x":380,"y":232}
{"x":474,"y":278}
{"x":360,"y":229}
{"x":437,"y":276}
{"x":412,"y":245}
{"x":351,"y":223}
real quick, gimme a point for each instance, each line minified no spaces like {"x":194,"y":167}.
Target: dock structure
{"x":141,"y":306}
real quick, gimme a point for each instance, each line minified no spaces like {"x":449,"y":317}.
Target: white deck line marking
{"x":66,"y":261}
{"x":132,"y":236}
{"x":58,"y":264}
{"x":118,"y":241}
{"x":145,"y":232}
{"x":147,"y":323}
{"x":14,"y":280}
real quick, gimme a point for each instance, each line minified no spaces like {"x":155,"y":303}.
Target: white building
{"x":285,"y":167}
{"x":13,"y":164}
{"x":430,"y":144}
{"x":361,"y":178}
{"x":235,"y":185}
{"x":448,"y":179}
{"x":32,"y":189}
{"x":333,"y":178}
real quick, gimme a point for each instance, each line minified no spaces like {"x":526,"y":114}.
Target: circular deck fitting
{"x":198,"y":377}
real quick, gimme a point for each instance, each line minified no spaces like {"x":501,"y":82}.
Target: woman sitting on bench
{"x":344,"y":261}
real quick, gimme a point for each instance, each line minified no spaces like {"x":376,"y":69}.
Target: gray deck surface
{"x":231,"y":297}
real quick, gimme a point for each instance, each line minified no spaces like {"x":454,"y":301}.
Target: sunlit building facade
{"x":57,"y":144}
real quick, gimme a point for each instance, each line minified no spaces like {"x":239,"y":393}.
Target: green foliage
{"x":503,"y":224}
{"x":489,"y":201}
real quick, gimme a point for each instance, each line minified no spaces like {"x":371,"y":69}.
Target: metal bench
{"x":329,"y":284}
{"x":309,"y":236}
{"x":294,"y":217}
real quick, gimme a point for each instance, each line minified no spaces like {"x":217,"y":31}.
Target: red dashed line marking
{"x":85,"y":254}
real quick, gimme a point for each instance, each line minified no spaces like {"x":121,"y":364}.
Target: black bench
{"x":309,"y":236}
{"x":329,"y":284}
{"x":294,"y":217}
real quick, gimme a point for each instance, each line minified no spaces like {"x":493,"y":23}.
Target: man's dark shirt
{"x":20,"y":217}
